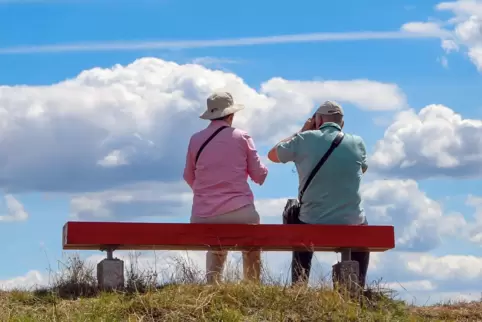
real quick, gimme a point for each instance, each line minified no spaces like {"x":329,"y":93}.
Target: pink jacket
{"x":220,"y":179}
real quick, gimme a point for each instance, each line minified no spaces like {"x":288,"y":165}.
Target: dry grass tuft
{"x":461,"y":311}
{"x":183,"y":296}
{"x":226,"y":302}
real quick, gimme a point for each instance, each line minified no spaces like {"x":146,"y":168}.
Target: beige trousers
{"x":215,"y":260}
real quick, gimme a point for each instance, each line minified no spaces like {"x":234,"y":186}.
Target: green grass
{"x":226,"y":302}
{"x":73,"y":296}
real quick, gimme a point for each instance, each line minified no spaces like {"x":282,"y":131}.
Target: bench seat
{"x":186,"y":236}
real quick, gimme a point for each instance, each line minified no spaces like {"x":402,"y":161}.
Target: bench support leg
{"x":110,"y":273}
{"x":345,"y":275}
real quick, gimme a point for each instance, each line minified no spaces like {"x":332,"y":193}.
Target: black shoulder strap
{"x":209,"y":140}
{"x":339,"y":137}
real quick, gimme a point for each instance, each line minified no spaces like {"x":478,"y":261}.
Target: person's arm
{"x":286,"y":150}
{"x":364,"y":164}
{"x":257,"y":171}
{"x":189,"y":167}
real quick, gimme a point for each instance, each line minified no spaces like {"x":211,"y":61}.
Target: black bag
{"x":291,"y":212}
{"x":207,"y":141}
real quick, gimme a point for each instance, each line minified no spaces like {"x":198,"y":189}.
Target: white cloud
{"x":449,"y":45}
{"x":426,"y":278}
{"x":463,"y":29}
{"x":419,"y":221}
{"x":446,"y":267}
{"x":31,"y":280}
{"x":462,"y":8}
{"x":475,"y":54}
{"x":475,"y":230}
{"x":436,"y":141}
{"x":234,"y":42}
{"x":443,"y":61}
{"x":425,"y":28}
{"x":14,"y":210}
{"x":113,"y":159}
{"x":139,"y":201}
{"x":149,"y":201}
{"x":110,"y":127}
{"x":271,"y":207}
{"x":363,"y":93}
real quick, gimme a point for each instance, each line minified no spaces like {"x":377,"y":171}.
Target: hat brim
{"x":207,"y":115}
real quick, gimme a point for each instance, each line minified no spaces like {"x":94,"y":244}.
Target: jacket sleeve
{"x":257,"y":171}
{"x":189,"y":166}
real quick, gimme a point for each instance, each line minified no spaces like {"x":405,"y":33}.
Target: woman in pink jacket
{"x":219,"y":160}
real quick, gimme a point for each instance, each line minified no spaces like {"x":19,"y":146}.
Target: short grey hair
{"x":335,"y":118}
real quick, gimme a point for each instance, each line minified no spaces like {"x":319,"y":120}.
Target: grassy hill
{"x":229,"y":302}
{"x":73,"y":296}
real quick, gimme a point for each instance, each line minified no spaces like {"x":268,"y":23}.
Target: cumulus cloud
{"x":426,"y":278}
{"x":271,"y":207}
{"x":436,"y":141}
{"x":126,"y":124}
{"x":475,"y":231}
{"x":451,"y":273}
{"x":148,"y":201}
{"x":133,"y":202}
{"x":14,"y":210}
{"x":33,"y":279}
{"x":419,"y":221}
{"x":464,"y":28}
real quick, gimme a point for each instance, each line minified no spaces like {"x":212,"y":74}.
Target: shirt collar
{"x":218,"y":123}
{"x":330,"y":124}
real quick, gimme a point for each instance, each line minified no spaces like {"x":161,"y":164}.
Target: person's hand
{"x":309,"y":125}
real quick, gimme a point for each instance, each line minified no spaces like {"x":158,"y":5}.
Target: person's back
{"x":218,"y":162}
{"x":222,"y":170}
{"x":333,"y":196}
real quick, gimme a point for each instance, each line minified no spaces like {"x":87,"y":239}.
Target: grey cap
{"x":219,"y":105}
{"x":330,"y":108}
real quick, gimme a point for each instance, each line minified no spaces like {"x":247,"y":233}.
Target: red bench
{"x":111,"y":236}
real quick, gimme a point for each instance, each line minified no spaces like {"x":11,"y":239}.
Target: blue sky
{"x":411,"y":61}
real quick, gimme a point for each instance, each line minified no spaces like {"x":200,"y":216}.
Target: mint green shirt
{"x":333,"y":196}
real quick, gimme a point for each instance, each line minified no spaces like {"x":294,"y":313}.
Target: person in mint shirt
{"x":333,"y":196}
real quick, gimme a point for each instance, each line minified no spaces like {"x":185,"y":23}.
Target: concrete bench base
{"x":345,"y":277}
{"x":110,"y":274}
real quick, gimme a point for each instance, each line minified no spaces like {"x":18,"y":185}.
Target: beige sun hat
{"x":220,"y":104}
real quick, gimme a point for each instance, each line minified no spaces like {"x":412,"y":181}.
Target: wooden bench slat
{"x":187,"y":236}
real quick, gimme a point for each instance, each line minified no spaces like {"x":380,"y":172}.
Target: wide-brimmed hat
{"x":219,"y":105}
